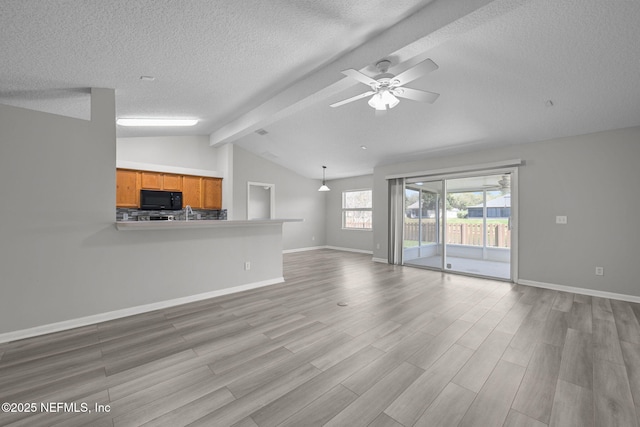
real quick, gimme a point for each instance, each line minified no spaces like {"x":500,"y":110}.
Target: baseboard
{"x":582,"y":291}
{"x":311,"y":248}
{"x":382,"y":260}
{"x":335,"y":248}
{"x":360,"y":251}
{"x":111,"y":315}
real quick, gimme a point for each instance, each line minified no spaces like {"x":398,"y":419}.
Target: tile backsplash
{"x":143,"y":215}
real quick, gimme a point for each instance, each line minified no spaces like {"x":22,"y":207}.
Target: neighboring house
{"x":413,"y":211}
{"x":499,"y":207}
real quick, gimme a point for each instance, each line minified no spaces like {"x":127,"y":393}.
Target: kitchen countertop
{"x":164,"y":225}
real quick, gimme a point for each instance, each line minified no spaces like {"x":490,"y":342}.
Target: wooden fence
{"x":498,"y":235}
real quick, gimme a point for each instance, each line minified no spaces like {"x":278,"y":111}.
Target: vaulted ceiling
{"x":510,"y":71}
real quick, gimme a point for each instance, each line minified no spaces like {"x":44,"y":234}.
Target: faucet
{"x":187,"y":210}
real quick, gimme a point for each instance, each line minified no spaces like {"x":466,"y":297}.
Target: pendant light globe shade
{"x":324,"y":187}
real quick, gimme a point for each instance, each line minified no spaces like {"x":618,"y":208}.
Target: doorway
{"x":461,"y":224}
{"x":260,"y":200}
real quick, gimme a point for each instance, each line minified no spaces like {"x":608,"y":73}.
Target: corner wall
{"x":593,"y":179}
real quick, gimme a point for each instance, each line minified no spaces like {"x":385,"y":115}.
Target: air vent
{"x":261,"y":132}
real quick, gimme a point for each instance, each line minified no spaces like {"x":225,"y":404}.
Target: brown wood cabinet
{"x":151,"y":180}
{"x":171,"y":182}
{"x":192,"y":191}
{"x":212,"y":193}
{"x":199,"y":192}
{"x":127,"y":188}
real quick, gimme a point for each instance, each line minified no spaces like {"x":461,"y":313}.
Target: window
{"x":357,"y":210}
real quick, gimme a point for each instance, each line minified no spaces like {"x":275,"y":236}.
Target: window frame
{"x":344,"y":209}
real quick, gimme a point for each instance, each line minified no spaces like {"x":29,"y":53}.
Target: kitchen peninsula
{"x":73,"y":267}
{"x":191,"y":224}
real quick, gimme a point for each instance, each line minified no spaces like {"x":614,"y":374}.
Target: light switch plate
{"x":561,"y":219}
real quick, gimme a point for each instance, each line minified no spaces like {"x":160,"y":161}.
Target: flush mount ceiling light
{"x":156,"y":122}
{"x":386,"y":87}
{"x":324,"y":185}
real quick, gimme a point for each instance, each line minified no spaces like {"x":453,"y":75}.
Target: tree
{"x":410,"y":197}
{"x":462,"y":201}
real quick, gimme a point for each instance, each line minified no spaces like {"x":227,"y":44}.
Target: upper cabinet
{"x":127,"y":188}
{"x":199,"y":192}
{"x":172,"y":182}
{"x":212,"y":193}
{"x":192,"y":191}
{"x":151,"y":180}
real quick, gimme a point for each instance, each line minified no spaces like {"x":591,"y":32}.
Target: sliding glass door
{"x":423,"y":241}
{"x":460,"y":224}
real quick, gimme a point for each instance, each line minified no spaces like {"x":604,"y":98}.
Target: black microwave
{"x":152,"y":200}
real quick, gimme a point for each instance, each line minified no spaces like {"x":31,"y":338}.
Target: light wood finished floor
{"x":412,"y":348}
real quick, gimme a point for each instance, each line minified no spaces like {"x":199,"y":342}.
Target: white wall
{"x":359,"y":240}
{"x":191,"y":152}
{"x":593,"y":179}
{"x":61,"y":257}
{"x":296,"y":197}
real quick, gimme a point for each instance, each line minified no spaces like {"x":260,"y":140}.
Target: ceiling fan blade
{"x":353,"y":98}
{"x":416,"y":95}
{"x":360,"y":77}
{"x":416,"y":71}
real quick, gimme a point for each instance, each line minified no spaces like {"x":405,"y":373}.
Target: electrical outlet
{"x":247,"y":266}
{"x":198,"y":216}
{"x":599,"y":271}
{"x":313,"y":238}
{"x":561,"y":219}
{"x":377,"y":245}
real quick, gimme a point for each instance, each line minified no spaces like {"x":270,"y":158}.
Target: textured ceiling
{"x":250,"y":64}
{"x":211,"y":59}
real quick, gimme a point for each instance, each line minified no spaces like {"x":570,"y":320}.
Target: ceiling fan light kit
{"x":383,"y":100}
{"x":386,"y":87}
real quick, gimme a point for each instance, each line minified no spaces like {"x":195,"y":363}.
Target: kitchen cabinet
{"x":171,"y":182}
{"x":212,"y":193}
{"x":127,"y":188}
{"x":151,"y":180}
{"x":192,"y":191}
{"x":199,"y":192}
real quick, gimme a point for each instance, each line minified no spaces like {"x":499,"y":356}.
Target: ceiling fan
{"x":386,"y":87}
{"x":503,"y":184}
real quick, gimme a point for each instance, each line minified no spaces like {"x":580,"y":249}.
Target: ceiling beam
{"x":409,"y":40}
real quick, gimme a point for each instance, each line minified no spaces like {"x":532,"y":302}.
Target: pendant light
{"x":324,"y":185}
